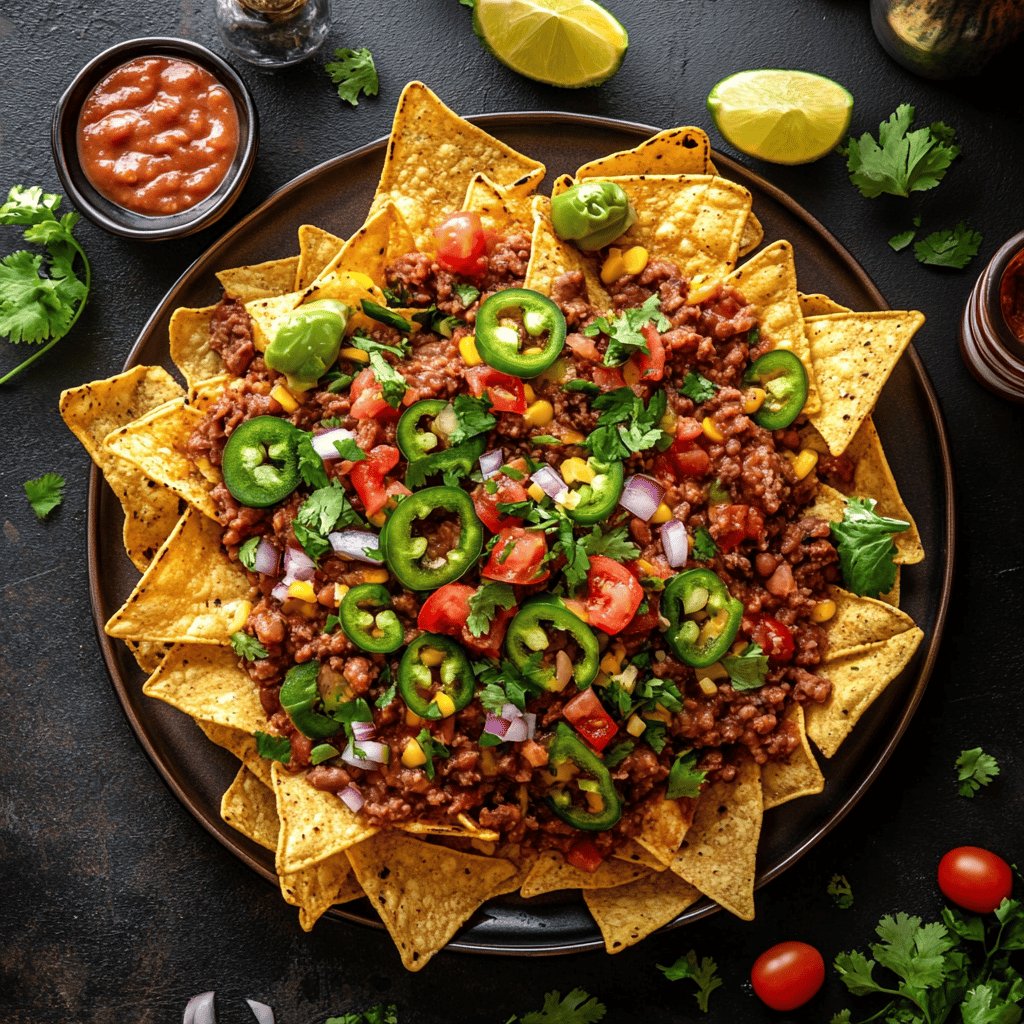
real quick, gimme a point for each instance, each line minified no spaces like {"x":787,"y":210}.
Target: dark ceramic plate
{"x":336,"y":195}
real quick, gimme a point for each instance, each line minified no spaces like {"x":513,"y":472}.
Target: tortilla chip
{"x":853,"y":355}
{"x":862,"y":620}
{"x":817,"y":304}
{"x":148,"y":655}
{"x":266,"y":312}
{"x":551,"y":872}
{"x":768,"y":282}
{"x":858,"y":676}
{"x":157,"y":444}
{"x":190,"y":344}
{"x":315,"y":824}
{"x":502,"y":209}
{"x":316,"y":889}
{"x":561,"y":184}
{"x":207,"y":684}
{"x":633,"y":853}
{"x":432,"y":828}
{"x":782,"y":781}
{"x":261,"y":280}
{"x":317,"y":248}
{"x":191,"y":592}
{"x":829,"y":504}
{"x":719,"y":852}
{"x":423,"y":892}
{"x":432,"y":156}
{"x":664,"y":826}
{"x":242,"y":744}
{"x":249,"y":807}
{"x":631,"y":912}
{"x":892,"y":596}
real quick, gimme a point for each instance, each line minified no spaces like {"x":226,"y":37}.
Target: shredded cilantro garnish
{"x":247,"y":646}
{"x":274,"y":748}
{"x":624,"y":331}
{"x":484,"y":605}
{"x":704,"y":547}
{"x":392,"y":383}
{"x":974,"y":769}
{"x":354,"y":73}
{"x":703,"y":973}
{"x":698,"y":388}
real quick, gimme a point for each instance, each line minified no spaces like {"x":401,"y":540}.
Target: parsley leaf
{"x":467,"y":293}
{"x":698,"y":388}
{"x":703,"y":973}
{"x":704,"y":547}
{"x":684,"y":779}
{"x":953,"y":247}
{"x":392,"y":383}
{"x":274,"y":748}
{"x":247,"y":553}
{"x":353,"y":72}
{"x":379,"y":1014}
{"x":348,"y":449}
{"x":748,"y":669}
{"x":311,"y":466}
{"x":975,"y":769}
{"x":431,"y":748}
{"x":840,"y":891}
{"x":247,"y":646}
{"x":484,"y":605}
{"x":578,"y":1007}
{"x":45,"y":493}
{"x":901,"y":161}
{"x":866,"y":550}
{"x":472,"y":417}
{"x":624,"y":330}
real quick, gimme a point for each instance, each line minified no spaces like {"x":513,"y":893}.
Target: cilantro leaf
{"x":431,"y":748}
{"x":613,"y":544}
{"x":704,"y":547}
{"x":985,"y":1005}
{"x":247,"y":553}
{"x":504,"y":683}
{"x":900,"y":161}
{"x":748,"y":669}
{"x":365,"y":344}
{"x":586,"y":387}
{"x":578,"y":1007}
{"x":353,"y":72}
{"x":484,"y":605}
{"x":392,"y":383}
{"x":388,"y":694}
{"x":617,"y":754}
{"x":274,"y":748}
{"x":684,"y":779}
{"x":348,"y":449}
{"x":698,"y":388}
{"x":900,"y":241}
{"x":953,"y":247}
{"x":45,"y":493}
{"x":379,"y":1014}
{"x":840,"y":891}
{"x":311,"y":466}
{"x":703,"y":973}
{"x":326,"y":508}
{"x":866,"y":550}
{"x":472,"y":417}
{"x":467,"y":293}
{"x":245,"y":645}
{"x":975,"y":769}
{"x":626,"y":425}
{"x":625,"y":330}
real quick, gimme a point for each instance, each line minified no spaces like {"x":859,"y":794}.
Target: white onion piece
{"x":491,"y":462}
{"x":496,"y":726}
{"x":263,"y":1013}
{"x":298,"y":565}
{"x":354,"y":544}
{"x":363,"y":730}
{"x":517,"y":731}
{"x":200,"y":1010}
{"x":675,"y":542}
{"x":375,"y":755}
{"x":280,"y":592}
{"x":445,"y":421}
{"x":352,"y":799}
{"x":641,"y":496}
{"x":550,"y":482}
{"x":531,"y":724}
{"x":510,"y":712}
{"x":323,"y":444}
{"x":267,"y":558}
{"x":563,"y":668}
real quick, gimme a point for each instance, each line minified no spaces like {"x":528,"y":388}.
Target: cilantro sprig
{"x":625,"y":331}
{"x":703,"y":973}
{"x":578,"y":1007}
{"x":45,"y":493}
{"x":354,"y":73}
{"x":841,"y":891}
{"x":626,"y":425}
{"x":951,"y":247}
{"x":484,"y":605}
{"x":245,"y":645}
{"x":974,"y":769}
{"x":866,"y":549}
{"x":684,"y":779}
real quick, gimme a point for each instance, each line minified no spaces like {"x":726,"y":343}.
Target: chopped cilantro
{"x":698,"y":388}
{"x":348,"y":449}
{"x":365,"y":344}
{"x":684,"y":779}
{"x":467,"y":293}
{"x":614,"y":757}
{"x":900,"y":241}
{"x":45,"y":493}
{"x":626,"y":425}
{"x":625,"y":330}
{"x":353,"y":72}
{"x":953,"y":247}
{"x":704,"y":547}
{"x":337,"y":381}
{"x":748,"y":669}
{"x":388,"y":694}
{"x":274,"y":748}
{"x":505,"y":684}
{"x":974,"y":769}
{"x":613,"y":544}
{"x":311,"y":466}
{"x":247,"y":553}
{"x":655,"y":735}
{"x":432,"y":319}
{"x":379,"y":1014}
{"x":431,"y":748}
{"x":703,"y":973}
{"x":247,"y":646}
{"x":325,"y":509}
{"x":332,"y":623}
{"x":578,"y":1007}
{"x":484,"y":605}
{"x":865,"y":546}
{"x":841,"y":892}
{"x":392,"y":383}
{"x":472,"y":417}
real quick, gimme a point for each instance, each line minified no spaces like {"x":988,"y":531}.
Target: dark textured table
{"x":116,"y":905}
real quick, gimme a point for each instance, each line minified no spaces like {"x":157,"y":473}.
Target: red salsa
{"x":157,"y":135}
{"x":1011,"y":295}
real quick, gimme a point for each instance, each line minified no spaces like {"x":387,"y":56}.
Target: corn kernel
{"x":413,"y":756}
{"x":611,"y":664}
{"x":668,"y":422}
{"x":340,"y":590}
{"x":707,"y":686}
{"x":576,"y":471}
{"x":488,"y":764}
{"x":631,"y":373}
{"x":356,"y":355}
{"x":375,"y":575}
{"x":823,"y":611}
{"x":754,"y":399}
{"x":571,"y":500}
{"x":572,"y":437}
{"x":715,"y":672}
{"x":662,"y":514}
{"x":533,"y":350}
{"x":595,"y":802}
{"x":701,"y":289}
{"x":614,"y":267}
{"x":539,"y":414}
{"x":284,"y":398}
{"x":378,"y":519}
{"x":529,"y":394}
{"x":431,"y":657}
{"x":635,"y":259}
{"x":413,"y":720}
{"x":805,"y":462}
{"x":242,"y":610}
{"x":444,"y":704}
{"x":711,"y":431}
{"x":468,"y":350}
{"x":303,"y":590}
{"x":536,"y":492}
{"x":636,"y":726}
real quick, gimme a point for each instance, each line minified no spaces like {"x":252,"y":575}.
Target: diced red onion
{"x":375,"y":754}
{"x":263,"y":1013}
{"x":363,"y":730}
{"x":267,"y":558}
{"x":352,"y":798}
{"x":510,"y":712}
{"x":200,"y":1010}
{"x":531,"y":724}
{"x":323,"y":444}
{"x":280,"y":592}
{"x":517,"y":731}
{"x":297,"y":565}
{"x":496,"y":726}
{"x":641,"y":496}
{"x":551,"y":483}
{"x":675,"y":542}
{"x":491,"y":462}
{"x":354,"y":543}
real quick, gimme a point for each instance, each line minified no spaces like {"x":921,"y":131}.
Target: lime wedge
{"x":569,"y":43}
{"x":785,"y":117}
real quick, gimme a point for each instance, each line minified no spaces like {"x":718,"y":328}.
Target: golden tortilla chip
{"x":242,"y":744}
{"x":261,"y":280}
{"x":853,"y":355}
{"x":551,"y":872}
{"x":502,"y":209}
{"x":768,"y":282}
{"x":432,"y":156}
{"x":633,"y":853}
{"x":249,"y":807}
{"x":782,"y":781}
{"x":423,"y":892}
{"x":892,"y":596}
{"x":191,"y":592}
{"x":561,"y":184}
{"x":858,"y":676}
{"x":817,"y":304}
{"x":265,"y":313}
{"x":317,"y":248}
{"x":719,"y":853}
{"x":315,"y":824}
{"x":862,"y":620}
{"x":664,"y":826}
{"x":157,"y":444}
{"x":314,"y":890}
{"x":433,"y":828}
{"x":631,"y":912}
{"x":190,"y":345}
{"x":148,"y":655}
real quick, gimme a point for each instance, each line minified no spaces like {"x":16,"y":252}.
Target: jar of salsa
{"x":992,"y":328}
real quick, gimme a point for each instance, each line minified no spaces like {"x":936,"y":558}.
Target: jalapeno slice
{"x":528,"y":633}
{"x":434,"y":664}
{"x":368,"y":619}
{"x":784,"y":380}
{"x":414,"y":442}
{"x":259,"y":463}
{"x":298,"y":695}
{"x":600,"y":495}
{"x":427,"y":450}
{"x":599,"y":805}
{"x":404,"y":553}
{"x":498,"y":337}
{"x":592,"y":214}
{"x":700,"y":592}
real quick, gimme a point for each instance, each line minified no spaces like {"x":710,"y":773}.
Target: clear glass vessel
{"x":273,"y":33}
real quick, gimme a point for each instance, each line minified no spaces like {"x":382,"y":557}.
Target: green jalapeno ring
{"x":526,"y":635}
{"x":567,"y":746}
{"x":298,"y":695}
{"x":360,"y":624}
{"x":260,"y":464}
{"x":784,"y":380}
{"x":413,"y":442}
{"x":415,"y":678}
{"x":404,"y":553}
{"x":686,"y":594}
{"x":498,"y":344}
{"x":307,"y":341}
{"x":592,"y":214}
{"x":599,"y":498}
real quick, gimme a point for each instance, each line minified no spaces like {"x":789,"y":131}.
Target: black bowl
{"x":117,"y":219}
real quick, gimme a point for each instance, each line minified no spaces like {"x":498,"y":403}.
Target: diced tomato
{"x":588,"y":717}
{"x":608,"y":378}
{"x":368,"y":477}
{"x":447,"y":611}
{"x":644,"y":622}
{"x":613,"y":594}
{"x":445,"y":731}
{"x":584,"y":855}
{"x":517,"y":557}
{"x":688,"y":458}
{"x":650,"y":367}
{"x":730,"y":525}
{"x":773,"y":637}
{"x":486,"y":504}
{"x":584,"y":347}
{"x":506,"y":393}
{"x":688,"y":429}
{"x":462,"y":244}
{"x":367,"y":401}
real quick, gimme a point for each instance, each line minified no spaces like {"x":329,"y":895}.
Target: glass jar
{"x":273,"y":33}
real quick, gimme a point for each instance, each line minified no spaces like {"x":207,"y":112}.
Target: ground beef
{"x":231,"y":335}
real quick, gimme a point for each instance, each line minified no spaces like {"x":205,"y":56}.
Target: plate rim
{"x":242,"y":848}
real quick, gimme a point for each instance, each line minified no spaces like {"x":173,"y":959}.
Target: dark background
{"x":115,"y":905}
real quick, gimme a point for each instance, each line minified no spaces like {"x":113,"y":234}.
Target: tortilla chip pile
{"x":425,"y":881}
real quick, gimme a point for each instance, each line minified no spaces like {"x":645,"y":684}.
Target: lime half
{"x":570,"y":43}
{"x":785,"y":117}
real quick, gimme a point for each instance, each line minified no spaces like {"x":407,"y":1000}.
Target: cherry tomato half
{"x":975,"y":879}
{"x":462,"y":244}
{"x":788,"y":975}
{"x":774,"y":638}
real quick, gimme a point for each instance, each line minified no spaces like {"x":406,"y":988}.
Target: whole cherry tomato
{"x":975,"y":879}
{"x":462,"y":244}
{"x":788,"y":975}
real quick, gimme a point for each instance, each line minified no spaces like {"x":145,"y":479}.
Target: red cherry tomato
{"x":650,"y":367}
{"x":975,"y":879}
{"x":588,"y":717}
{"x":368,"y":477}
{"x":774,"y":638}
{"x":462,"y":244}
{"x":613,"y":594}
{"x":486,"y":504}
{"x":788,"y":975}
{"x":517,"y":557}
{"x":608,"y":378}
